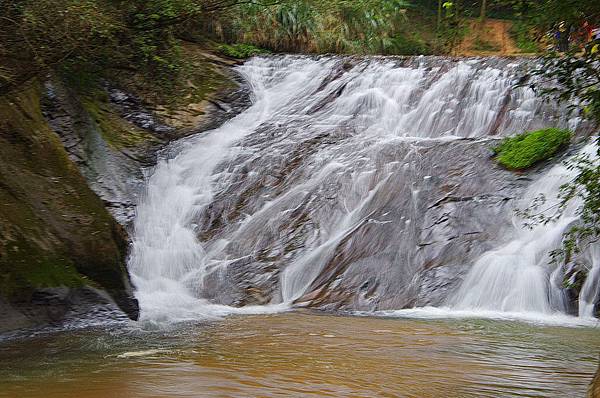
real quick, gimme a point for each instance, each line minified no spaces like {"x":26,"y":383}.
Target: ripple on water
{"x":303,"y":354}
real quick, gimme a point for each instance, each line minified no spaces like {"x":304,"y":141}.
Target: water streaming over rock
{"x":590,"y":292}
{"x":518,"y":276}
{"x":351,"y":184}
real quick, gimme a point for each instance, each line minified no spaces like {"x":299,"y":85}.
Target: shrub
{"x":240,"y":51}
{"x":527,"y":149}
{"x":406,"y":45}
{"x":524,"y":38}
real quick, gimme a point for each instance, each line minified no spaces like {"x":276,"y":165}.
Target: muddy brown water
{"x":304,"y":355}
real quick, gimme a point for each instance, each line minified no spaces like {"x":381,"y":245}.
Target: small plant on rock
{"x":525,"y":150}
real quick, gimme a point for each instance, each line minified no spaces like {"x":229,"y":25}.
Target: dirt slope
{"x":494,"y":39}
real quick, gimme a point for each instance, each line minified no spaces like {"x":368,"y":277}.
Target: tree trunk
{"x":439,"y":14}
{"x":483,"y":14}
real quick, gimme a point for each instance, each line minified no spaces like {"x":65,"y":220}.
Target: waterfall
{"x":340,"y":187}
{"x":167,"y":260}
{"x":590,"y":291}
{"x":518,"y":276}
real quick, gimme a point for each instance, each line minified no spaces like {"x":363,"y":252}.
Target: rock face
{"x":62,"y":254}
{"x":115,"y":138}
{"x":350,"y":184}
{"x":55,"y":233}
{"x":113,"y":169}
{"x":594,"y":390}
{"x":454,"y":215}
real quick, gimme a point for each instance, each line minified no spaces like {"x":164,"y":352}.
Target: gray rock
{"x":57,"y":308}
{"x":447,"y":222}
{"x":117,"y":175}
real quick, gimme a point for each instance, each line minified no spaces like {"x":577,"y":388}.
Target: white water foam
{"x":378,"y":100}
{"x":590,"y":291}
{"x":441,"y":313}
{"x":167,"y":260}
{"x":518,"y":281}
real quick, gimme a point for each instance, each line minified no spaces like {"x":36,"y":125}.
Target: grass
{"x":524,"y":39}
{"x":240,"y":51}
{"x":484,"y":45}
{"x":525,"y":150}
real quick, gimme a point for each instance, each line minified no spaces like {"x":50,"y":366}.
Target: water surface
{"x":304,"y":354}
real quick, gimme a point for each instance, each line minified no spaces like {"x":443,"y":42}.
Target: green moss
{"x":199,"y":79}
{"x":54,"y":231}
{"x":25,"y":267}
{"x":240,"y":51}
{"x":118,"y":132}
{"x":527,"y":149}
{"x":28,"y":259}
{"x":203,"y":81}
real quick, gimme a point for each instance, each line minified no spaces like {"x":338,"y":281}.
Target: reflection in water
{"x":298,"y":354}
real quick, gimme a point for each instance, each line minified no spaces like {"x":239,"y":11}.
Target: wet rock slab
{"x":421,"y":213}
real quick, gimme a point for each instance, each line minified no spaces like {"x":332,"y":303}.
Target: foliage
{"x":94,"y":36}
{"x":527,"y":149}
{"x":101,"y":37}
{"x":341,"y":26}
{"x":573,"y":79}
{"x":452,"y":27}
{"x":481,"y":44}
{"x":407,"y":45}
{"x":38,"y":36}
{"x":585,"y":187}
{"x":545,"y":14}
{"x":524,"y":38}
{"x":240,"y":51}
{"x":537,"y":21}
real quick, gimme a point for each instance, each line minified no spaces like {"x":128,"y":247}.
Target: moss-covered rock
{"x":186,"y":101}
{"x":527,"y":149}
{"x":66,"y":166}
{"x":112,"y":130}
{"x":116,"y":131}
{"x":54,"y":231}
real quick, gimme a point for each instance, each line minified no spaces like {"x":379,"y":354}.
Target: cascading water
{"x":168,"y":261}
{"x":590,"y":291}
{"x":517,"y":276}
{"x":359,"y":184}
